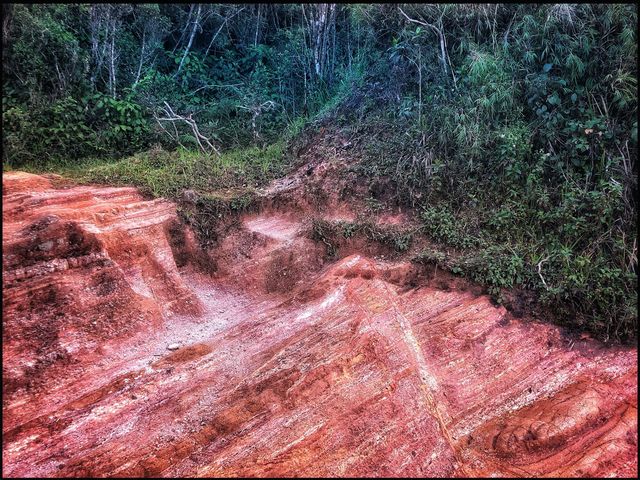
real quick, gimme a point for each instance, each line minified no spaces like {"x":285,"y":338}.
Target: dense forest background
{"x":510,"y":128}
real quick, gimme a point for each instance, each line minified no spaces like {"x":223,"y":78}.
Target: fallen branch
{"x":170,"y":116}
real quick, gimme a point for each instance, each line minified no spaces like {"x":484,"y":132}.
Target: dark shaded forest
{"x":510,"y":129}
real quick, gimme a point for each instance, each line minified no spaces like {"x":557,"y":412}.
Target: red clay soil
{"x":279,"y":364}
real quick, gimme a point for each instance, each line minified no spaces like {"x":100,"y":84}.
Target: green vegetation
{"x":333,"y":233}
{"x":523,"y":167}
{"x":163,"y":173}
{"x":510,"y":129}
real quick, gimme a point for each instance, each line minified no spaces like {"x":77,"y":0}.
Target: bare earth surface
{"x":116,"y":362}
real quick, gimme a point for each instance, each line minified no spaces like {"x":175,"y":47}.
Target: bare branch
{"x":219,"y":30}
{"x":170,"y":116}
{"x":419,"y":22}
{"x":444,"y":55}
{"x":540,"y":271}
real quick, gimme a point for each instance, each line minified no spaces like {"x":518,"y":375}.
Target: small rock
{"x":46,"y":246}
{"x":173,"y":346}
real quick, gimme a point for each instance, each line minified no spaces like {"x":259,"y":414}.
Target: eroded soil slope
{"x":117,"y":362}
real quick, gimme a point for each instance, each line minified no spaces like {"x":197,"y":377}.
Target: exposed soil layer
{"x":127,"y":351}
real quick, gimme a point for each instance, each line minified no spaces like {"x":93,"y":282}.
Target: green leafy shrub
{"x":443,"y":226}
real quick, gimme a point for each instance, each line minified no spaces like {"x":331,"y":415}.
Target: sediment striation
{"x":118,"y":362}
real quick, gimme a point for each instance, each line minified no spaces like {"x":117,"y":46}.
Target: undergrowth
{"x":160,"y":173}
{"x":332,"y":234}
{"x":571,"y":242}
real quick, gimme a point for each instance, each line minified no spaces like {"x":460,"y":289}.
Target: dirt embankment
{"x":127,"y":350}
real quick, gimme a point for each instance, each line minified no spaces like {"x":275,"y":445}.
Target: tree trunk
{"x":443,"y":52}
{"x":98,"y":54}
{"x":321,"y":21}
{"x":191,"y":37}
{"x":7,"y":13}
{"x":112,"y":63}
{"x":184,"y":30}
{"x":255,"y":39}
{"x":141,"y":58}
